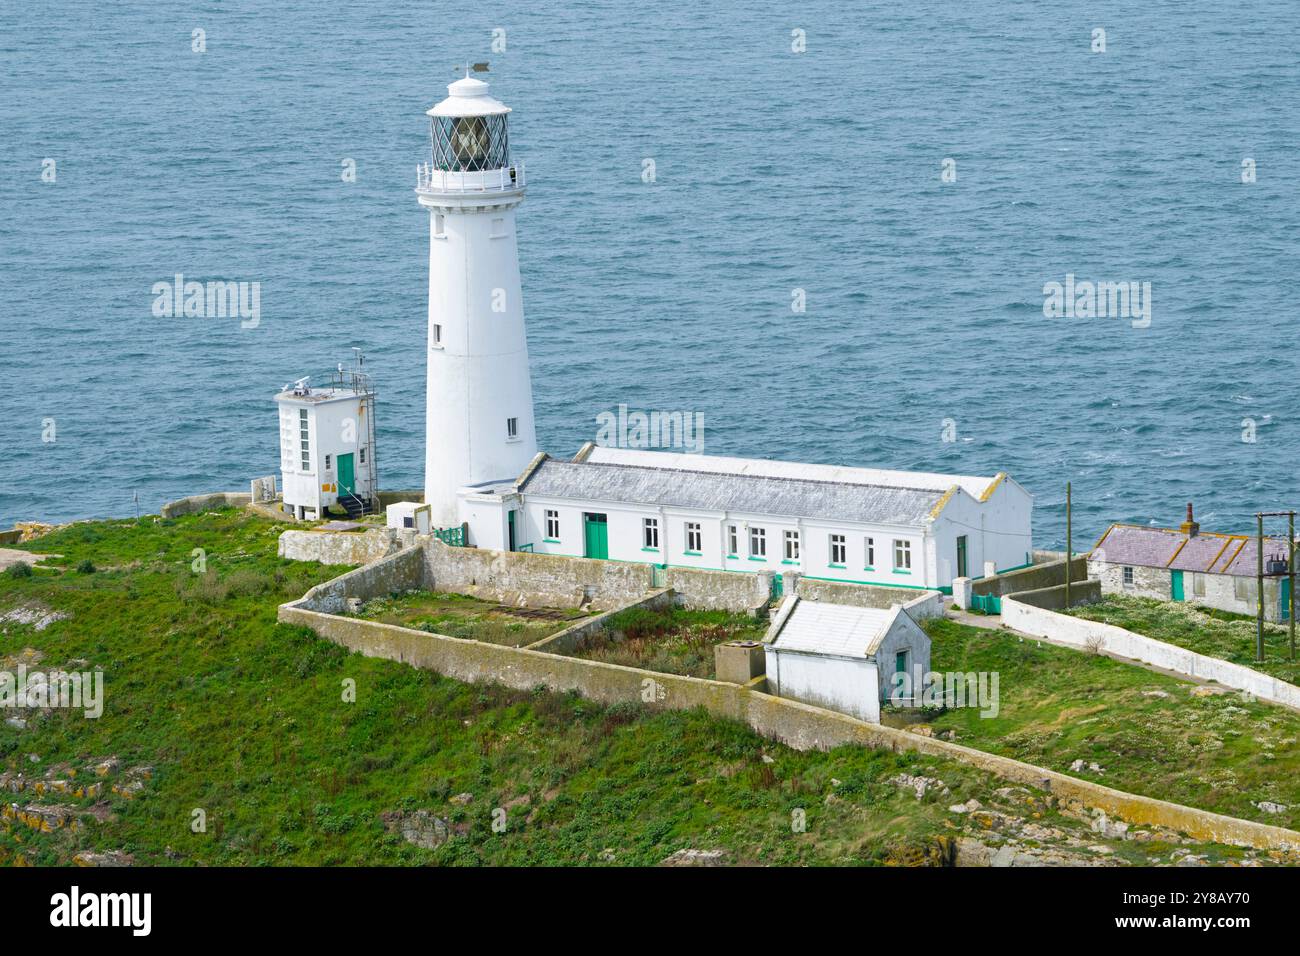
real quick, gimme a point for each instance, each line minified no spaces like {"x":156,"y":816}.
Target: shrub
{"x":86,"y":567}
{"x":20,"y":570}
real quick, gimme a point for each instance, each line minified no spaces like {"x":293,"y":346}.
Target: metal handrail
{"x":427,"y":177}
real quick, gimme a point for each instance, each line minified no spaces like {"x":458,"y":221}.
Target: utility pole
{"x":1069,"y":543}
{"x":1290,"y":577}
{"x":1259,"y":587}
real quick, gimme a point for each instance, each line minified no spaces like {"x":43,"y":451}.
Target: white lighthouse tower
{"x":479,"y":422}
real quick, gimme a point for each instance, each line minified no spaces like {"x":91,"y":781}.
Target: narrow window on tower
{"x":512,"y":429}
{"x":303,"y":439}
{"x":327,"y":462}
{"x":362,"y":456}
{"x":437,"y":336}
{"x":439,"y":226}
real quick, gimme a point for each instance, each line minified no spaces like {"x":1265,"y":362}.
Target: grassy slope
{"x":243,"y":718}
{"x":1214,"y":633}
{"x":1058,"y":705}
{"x":459,"y":615}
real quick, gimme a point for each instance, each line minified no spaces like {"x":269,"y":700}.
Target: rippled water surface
{"x":775,"y":171}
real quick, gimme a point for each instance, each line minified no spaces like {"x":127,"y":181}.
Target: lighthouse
{"x":479,"y":418}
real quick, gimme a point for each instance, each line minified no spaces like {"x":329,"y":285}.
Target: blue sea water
{"x":775,"y":170}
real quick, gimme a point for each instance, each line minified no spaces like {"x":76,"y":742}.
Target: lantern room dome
{"x":468,"y":96}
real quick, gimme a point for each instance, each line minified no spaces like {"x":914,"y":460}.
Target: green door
{"x":510,"y":520}
{"x":1176,"y":585}
{"x":347,"y":477}
{"x":1284,"y":601}
{"x":595,"y":534}
{"x":961,"y":556}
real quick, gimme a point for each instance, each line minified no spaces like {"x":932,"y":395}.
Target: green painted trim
{"x":897,"y":571}
{"x":552,"y":541}
{"x":752,"y":558}
{"x":878,"y":584}
{"x":733,"y":557}
{"x":837,"y":567}
{"x":788,"y":561}
{"x":1018,"y":567}
{"x":694,"y":554}
{"x":869,"y":567}
{"x":655,"y":550}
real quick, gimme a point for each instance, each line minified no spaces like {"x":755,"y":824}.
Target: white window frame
{"x":1126,"y":575}
{"x":869,"y":553}
{"x":792,"y":545}
{"x":758,"y":543}
{"x":437,"y":335}
{"x":304,"y":439}
{"x":650,"y":533}
{"x":695,"y":533}
{"x":552,"y":525}
{"x":902,"y":555}
{"x":839,"y":543}
{"x":733,"y":539}
{"x":512,"y":429}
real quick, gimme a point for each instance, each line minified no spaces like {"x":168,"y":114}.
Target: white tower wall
{"x":478,"y":352}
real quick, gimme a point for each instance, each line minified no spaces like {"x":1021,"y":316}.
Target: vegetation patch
{"x":459,"y":615}
{"x":673,"y":639}
{"x":1205,"y":630}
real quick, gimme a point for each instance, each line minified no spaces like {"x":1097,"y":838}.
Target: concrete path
{"x":12,"y":556}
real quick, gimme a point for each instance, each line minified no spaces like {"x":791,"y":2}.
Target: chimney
{"x":1189,"y":527}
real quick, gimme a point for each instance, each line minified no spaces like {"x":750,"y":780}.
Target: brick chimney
{"x":1189,"y":527}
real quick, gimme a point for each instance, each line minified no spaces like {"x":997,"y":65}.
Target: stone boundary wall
{"x":343,"y":547}
{"x":1089,"y":635}
{"x":919,"y":604}
{"x":196,"y":504}
{"x":745,"y":592}
{"x":1053,"y":598}
{"x":565,"y":641}
{"x":404,"y":571}
{"x":801,"y":726}
{"x":1032,"y":578}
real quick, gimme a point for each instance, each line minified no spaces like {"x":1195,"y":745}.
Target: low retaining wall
{"x":1053,"y":598}
{"x":740,"y":591}
{"x":404,"y":571}
{"x":567,"y":640}
{"x":1093,"y":635}
{"x":343,"y":547}
{"x":800,"y":726}
{"x":1031,"y":578}
{"x":919,"y":604}
{"x":196,"y":504}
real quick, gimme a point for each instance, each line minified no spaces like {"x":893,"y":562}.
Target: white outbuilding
{"x":842,"y":657}
{"x":327,"y":445}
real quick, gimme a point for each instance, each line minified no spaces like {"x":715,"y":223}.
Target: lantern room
{"x":469,"y":129}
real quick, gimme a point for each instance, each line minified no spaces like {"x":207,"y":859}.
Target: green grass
{"x":245,"y":720}
{"x":673,"y":640}
{"x":1208,"y":631}
{"x":1150,"y":734}
{"x":459,"y":615}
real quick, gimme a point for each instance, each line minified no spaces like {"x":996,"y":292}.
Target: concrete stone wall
{"x":798,"y":725}
{"x":343,"y":547}
{"x":536,"y":580}
{"x":1053,"y":598}
{"x":197,"y":504}
{"x":567,"y":640}
{"x":1093,"y":635}
{"x":919,"y":604}
{"x":738,"y":591}
{"x":404,"y":571}
{"x":1031,"y":578}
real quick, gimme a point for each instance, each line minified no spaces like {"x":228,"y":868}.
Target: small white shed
{"x":842,"y":657}
{"x":410,"y":514}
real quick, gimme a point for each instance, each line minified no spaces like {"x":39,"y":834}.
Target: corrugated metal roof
{"x":821,"y":628}
{"x":1207,"y":551}
{"x":709,"y":491}
{"x":766,"y":468}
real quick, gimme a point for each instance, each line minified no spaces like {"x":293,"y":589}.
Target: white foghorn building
{"x":483,"y":469}
{"x":327,"y":439}
{"x":843,"y":658}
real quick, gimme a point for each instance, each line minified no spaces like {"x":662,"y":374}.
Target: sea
{"x":827,"y":228}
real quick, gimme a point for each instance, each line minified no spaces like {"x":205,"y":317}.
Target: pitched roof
{"x":707,"y":490}
{"x":818,"y":627}
{"x":976,"y":487}
{"x":1208,"y":551}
